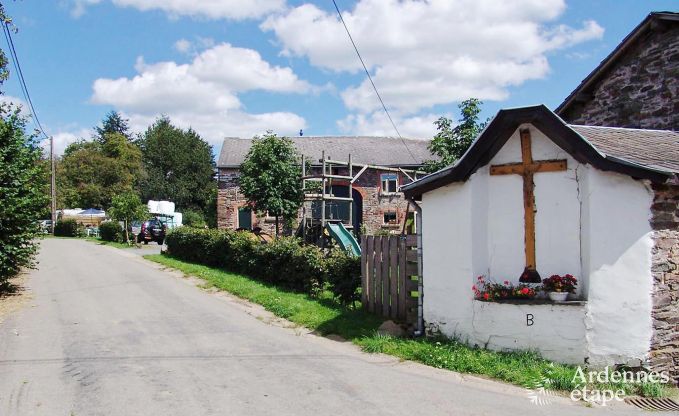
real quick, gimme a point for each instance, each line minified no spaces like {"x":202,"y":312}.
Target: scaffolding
{"x":311,"y":226}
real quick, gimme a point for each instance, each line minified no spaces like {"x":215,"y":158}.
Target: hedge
{"x":66,"y":228}
{"x":285,"y":262}
{"x":111,"y":231}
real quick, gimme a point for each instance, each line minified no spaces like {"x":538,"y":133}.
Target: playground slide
{"x":344,"y":238}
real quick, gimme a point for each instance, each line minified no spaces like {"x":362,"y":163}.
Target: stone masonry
{"x":640,"y":91}
{"x":375,"y":202}
{"x":665,"y":222}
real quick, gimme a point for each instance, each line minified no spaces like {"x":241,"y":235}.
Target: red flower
{"x":525,"y":291}
{"x":486,"y":296}
{"x":506,"y":282}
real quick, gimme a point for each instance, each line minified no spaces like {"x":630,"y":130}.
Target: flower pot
{"x":558,"y":296}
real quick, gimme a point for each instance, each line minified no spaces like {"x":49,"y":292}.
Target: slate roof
{"x":652,"y":148}
{"x":382,"y":151}
{"x":652,"y":20}
{"x":643,"y":154}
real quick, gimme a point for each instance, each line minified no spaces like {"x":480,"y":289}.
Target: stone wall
{"x":640,"y":91}
{"x":665,"y":222}
{"x":375,"y":202}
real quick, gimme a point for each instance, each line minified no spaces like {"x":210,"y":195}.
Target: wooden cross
{"x":527,"y":168}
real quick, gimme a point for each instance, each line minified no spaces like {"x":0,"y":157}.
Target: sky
{"x":237,"y":68}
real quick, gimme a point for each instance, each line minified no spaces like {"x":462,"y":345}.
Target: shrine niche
{"x":534,"y":197}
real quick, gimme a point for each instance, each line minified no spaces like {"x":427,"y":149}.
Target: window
{"x":389,"y":183}
{"x":390,"y":218}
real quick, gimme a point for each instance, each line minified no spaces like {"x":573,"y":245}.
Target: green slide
{"x":344,"y":238}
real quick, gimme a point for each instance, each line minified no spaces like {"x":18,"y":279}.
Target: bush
{"x":193,"y":219}
{"x":111,"y":231}
{"x":343,"y":274}
{"x":66,"y":228}
{"x":285,"y":262}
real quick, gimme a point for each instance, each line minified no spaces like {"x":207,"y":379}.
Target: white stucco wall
{"x":589,"y":223}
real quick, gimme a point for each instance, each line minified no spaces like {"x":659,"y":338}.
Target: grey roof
{"x":657,"y":149}
{"x":382,"y":151}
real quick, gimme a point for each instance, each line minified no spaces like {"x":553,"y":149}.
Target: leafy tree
{"x":127,"y":207}
{"x":178,"y":164}
{"x":270,"y":177}
{"x":22,"y":192}
{"x":450,"y":143}
{"x":112,"y":123}
{"x":91,"y":172}
{"x":23,"y":197}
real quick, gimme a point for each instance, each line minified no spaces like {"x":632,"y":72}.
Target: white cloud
{"x":63,"y":138}
{"x":377,"y":124}
{"x":424,"y":53}
{"x":183,"y":45}
{"x":211,"y":9}
{"x":203,"y":94}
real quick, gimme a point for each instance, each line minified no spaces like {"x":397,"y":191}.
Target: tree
{"x":91,"y":172}
{"x":270,"y":177}
{"x":22,"y":192}
{"x":127,"y":207}
{"x":450,"y":143}
{"x":178,"y":165}
{"x":112,"y":123}
{"x":23,"y":197}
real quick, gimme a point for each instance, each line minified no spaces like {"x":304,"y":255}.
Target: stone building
{"x":603,"y":205}
{"x":378,"y":203}
{"x":637,"y":85}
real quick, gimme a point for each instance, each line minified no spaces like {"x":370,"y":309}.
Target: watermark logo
{"x":599,"y":387}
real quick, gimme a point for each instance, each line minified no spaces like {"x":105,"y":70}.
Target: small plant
{"x":489,"y":291}
{"x":66,"y":228}
{"x":555,"y":283}
{"x":111,"y":231}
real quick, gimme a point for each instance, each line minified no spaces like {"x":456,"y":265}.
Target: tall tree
{"x":178,"y":164}
{"x":450,"y":143}
{"x":270,"y":177}
{"x":112,"y":123}
{"x":22,"y":186}
{"x":90,"y":173}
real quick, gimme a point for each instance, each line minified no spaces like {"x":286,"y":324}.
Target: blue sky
{"x":240,"y":67}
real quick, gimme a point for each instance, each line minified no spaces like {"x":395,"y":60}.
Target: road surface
{"x":108,"y":333}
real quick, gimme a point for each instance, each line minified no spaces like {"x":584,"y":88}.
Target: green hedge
{"x":111,"y":231}
{"x":285,"y":262}
{"x":66,"y":228}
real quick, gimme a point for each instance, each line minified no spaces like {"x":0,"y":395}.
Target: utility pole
{"x":53,"y":185}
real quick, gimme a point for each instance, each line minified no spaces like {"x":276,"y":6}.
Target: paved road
{"x":109,"y":334}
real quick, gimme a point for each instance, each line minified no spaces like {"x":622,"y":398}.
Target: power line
{"x":22,"y":80}
{"x":365,"y":68}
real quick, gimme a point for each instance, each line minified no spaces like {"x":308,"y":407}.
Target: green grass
{"x":324,"y":315}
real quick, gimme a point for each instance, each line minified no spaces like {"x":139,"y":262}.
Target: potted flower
{"x":558,"y":287}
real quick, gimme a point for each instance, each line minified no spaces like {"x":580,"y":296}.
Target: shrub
{"x":343,"y":274}
{"x":111,"y":231}
{"x":193,"y":219}
{"x":66,"y":228}
{"x":285,"y":262}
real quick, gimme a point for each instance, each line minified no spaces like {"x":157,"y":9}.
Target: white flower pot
{"x":558,"y":296}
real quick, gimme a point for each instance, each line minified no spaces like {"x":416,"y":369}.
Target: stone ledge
{"x":535,"y":302}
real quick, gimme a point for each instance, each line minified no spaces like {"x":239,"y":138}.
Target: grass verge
{"x":326,"y":316}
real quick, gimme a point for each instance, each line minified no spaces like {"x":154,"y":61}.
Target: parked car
{"x":152,"y":230}
{"x":46,"y":226}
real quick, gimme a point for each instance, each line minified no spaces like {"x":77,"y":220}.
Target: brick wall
{"x":375,"y":202}
{"x":665,"y":222}
{"x":640,"y":91}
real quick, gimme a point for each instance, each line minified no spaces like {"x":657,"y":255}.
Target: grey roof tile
{"x":649,"y":148}
{"x":383,"y":151}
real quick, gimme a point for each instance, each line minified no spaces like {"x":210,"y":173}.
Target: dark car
{"x":152,"y":230}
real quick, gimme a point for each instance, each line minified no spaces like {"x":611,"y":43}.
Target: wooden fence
{"x":389,"y":276}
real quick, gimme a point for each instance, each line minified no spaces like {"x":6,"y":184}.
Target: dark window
{"x":390,"y":217}
{"x":389,"y":183}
